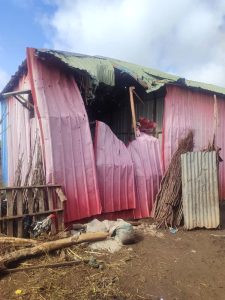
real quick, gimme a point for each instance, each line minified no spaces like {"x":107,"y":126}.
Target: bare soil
{"x":185,"y":265}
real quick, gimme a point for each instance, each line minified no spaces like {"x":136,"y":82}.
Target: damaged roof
{"x":102,"y":70}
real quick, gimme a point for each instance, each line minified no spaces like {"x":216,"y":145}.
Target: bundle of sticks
{"x":168,"y":206}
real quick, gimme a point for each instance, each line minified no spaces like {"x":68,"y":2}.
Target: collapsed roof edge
{"x":102,"y":70}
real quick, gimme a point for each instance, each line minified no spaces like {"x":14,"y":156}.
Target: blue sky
{"x":19,"y":28}
{"x":184,"y":37}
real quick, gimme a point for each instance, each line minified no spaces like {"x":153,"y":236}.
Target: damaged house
{"x":103,"y":129}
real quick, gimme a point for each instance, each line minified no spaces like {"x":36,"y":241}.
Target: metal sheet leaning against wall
{"x":200,"y":190}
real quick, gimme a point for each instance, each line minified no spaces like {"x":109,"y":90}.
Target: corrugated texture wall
{"x":114,"y":170}
{"x":18,"y":135}
{"x":66,"y":137}
{"x":20,"y":138}
{"x":146,"y":158}
{"x":200,"y":190}
{"x":4,"y":145}
{"x":184,"y":110}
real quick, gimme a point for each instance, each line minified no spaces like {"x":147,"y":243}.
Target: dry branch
{"x":50,"y":246}
{"x":168,"y":205}
{"x":46,"y":266}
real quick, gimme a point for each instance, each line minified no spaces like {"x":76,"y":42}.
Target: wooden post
{"x":20,"y":212}
{"x":41,"y":200}
{"x":9,"y":198}
{"x":131,"y":88}
{"x":30,"y":200}
{"x":51,"y":207}
{"x":215,"y":121}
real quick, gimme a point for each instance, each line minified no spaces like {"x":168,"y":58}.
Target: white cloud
{"x":184,"y":37}
{"x":4,"y":78}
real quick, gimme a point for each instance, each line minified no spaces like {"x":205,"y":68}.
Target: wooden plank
{"x":20,"y":212}
{"x":131,"y":88}
{"x":41,"y":200}
{"x":61,"y":197}
{"x":9,"y":198}
{"x":47,"y":212}
{"x":51,"y":207}
{"x":28,"y":187}
{"x":30,"y":204}
{"x":60,"y":221}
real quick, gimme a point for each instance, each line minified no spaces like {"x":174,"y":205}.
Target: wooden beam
{"x":47,"y":212}
{"x":134,"y":123}
{"x":29,"y":187}
{"x":6,"y":95}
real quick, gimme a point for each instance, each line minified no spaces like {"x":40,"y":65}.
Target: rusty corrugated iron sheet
{"x":185,"y":110}
{"x":115,"y":171}
{"x":200,"y":190}
{"x":66,"y":138}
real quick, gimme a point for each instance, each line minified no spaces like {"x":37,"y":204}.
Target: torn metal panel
{"x":114,"y":170}
{"x":200,"y":190}
{"x":102,"y":70}
{"x":146,"y":158}
{"x":66,"y":138}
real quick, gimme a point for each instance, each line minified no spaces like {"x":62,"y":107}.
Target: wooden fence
{"x":16,"y":203}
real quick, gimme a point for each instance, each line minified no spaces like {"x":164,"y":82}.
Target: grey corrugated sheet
{"x":200,"y":190}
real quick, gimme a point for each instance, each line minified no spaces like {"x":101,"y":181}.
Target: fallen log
{"x":17,"y":241}
{"x":50,"y":246}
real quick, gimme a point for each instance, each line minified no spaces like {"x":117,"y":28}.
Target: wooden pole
{"x":131,"y":89}
{"x":215,"y":117}
{"x":50,"y":246}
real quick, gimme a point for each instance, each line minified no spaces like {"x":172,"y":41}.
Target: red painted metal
{"x":21,"y":134}
{"x":68,"y":148}
{"x":145,"y":155}
{"x":186,"y":109}
{"x":114,"y":170}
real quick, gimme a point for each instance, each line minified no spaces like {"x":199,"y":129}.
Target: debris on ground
{"x":168,"y":211}
{"x":120,"y":233}
{"x":149,"y":229}
{"x":173,"y":230}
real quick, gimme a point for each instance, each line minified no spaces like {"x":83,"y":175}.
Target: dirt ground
{"x":162,"y":265}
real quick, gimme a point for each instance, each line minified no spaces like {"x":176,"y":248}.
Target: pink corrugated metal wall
{"x":114,"y":170}
{"x":21,"y":134}
{"x":66,"y":137}
{"x":146,"y":156}
{"x":184,"y":110}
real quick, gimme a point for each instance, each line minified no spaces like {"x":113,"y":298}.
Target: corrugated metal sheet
{"x":200,"y":190}
{"x":146,"y":158}
{"x":4,"y":145}
{"x":102,"y":69}
{"x":184,"y":110}
{"x":19,"y":137}
{"x":114,"y":170}
{"x":66,"y":136}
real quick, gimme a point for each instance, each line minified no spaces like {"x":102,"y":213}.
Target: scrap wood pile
{"x":168,"y":205}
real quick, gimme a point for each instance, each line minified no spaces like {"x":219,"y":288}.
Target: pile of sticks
{"x":168,"y":210}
